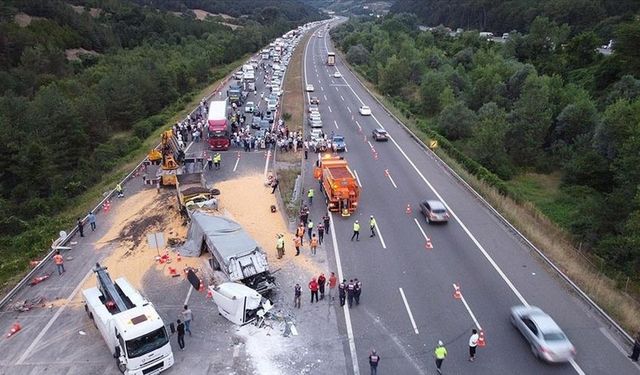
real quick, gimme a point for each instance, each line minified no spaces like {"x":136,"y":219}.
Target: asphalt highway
{"x":407,"y":302}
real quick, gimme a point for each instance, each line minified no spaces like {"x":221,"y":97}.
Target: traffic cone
{"x":386,"y":172}
{"x":375,"y":155}
{"x":408,"y":211}
{"x":209,"y":294}
{"x":178,"y":257}
{"x":481,"y":342}
{"x":15,"y":328}
{"x":428,"y":245}
{"x":172,"y":271}
{"x":201,"y":289}
{"x":456,"y":293}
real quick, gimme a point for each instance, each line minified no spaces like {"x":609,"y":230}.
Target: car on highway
{"x":314,"y":108}
{"x":255,"y":122}
{"x":545,"y":337}
{"x":315,"y":116}
{"x":314,"y":100}
{"x":272,"y":105}
{"x":249,"y":107}
{"x":434,"y":211}
{"x":268,"y":116}
{"x":238,"y":75}
{"x":365,"y":110}
{"x":277,"y":91}
{"x":316,"y":134}
{"x":315,"y":122}
{"x":338,"y":143}
{"x":337,"y":74}
{"x":379,"y":135}
{"x":264,"y":125}
{"x":309,"y":88}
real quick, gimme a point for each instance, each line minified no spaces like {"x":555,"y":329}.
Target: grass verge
{"x":551,"y":239}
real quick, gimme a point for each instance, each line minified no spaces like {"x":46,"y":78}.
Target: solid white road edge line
{"x":464,"y":227}
{"x":377,"y":229}
{"x":266,"y":164}
{"x":357,"y":178}
{"x":237,"y":161}
{"x":345,"y":308}
{"x":466,"y":305}
{"x":406,"y":304}
{"x":52,"y":320}
{"x":188,"y":294}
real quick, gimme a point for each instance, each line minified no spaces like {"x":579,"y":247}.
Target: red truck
{"x":218,"y":126}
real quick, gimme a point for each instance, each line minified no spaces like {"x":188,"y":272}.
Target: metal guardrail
{"x":9,"y":296}
{"x":495,"y":212}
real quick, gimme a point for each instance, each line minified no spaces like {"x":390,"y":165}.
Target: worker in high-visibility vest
{"x":280,"y":246}
{"x":59,"y":261}
{"x":217,"y":158}
{"x":310,"y":196}
{"x":372,"y":226}
{"x":440,"y":354}
{"x":119,"y":191}
{"x":297,"y":243}
{"x":356,"y":231}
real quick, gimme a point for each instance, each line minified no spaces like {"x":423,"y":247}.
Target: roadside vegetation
{"x":542,"y":124}
{"x":72,"y":124}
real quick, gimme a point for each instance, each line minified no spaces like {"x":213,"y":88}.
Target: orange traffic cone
{"x":173,"y":271}
{"x":428,"y":245}
{"x":408,"y":211}
{"x":15,"y":328}
{"x":481,"y":342}
{"x":209,"y":294}
{"x":178,"y":257}
{"x":456,"y":293}
{"x":201,"y":289}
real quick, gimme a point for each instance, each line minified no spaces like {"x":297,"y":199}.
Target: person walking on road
{"x":327,"y":222}
{"x":351,"y":289}
{"x":310,"y":228}
{"x":372,"y":226}
{"x":473,"y":344}
{"x":296,"y":244}
{"x":333,"y":282}
{"x":313,"y":287}
{"x":92,"y":220}
{"x":187,"y":315}
{"x":297,"y":294}
{"x":280,"y":245}
{"x":357,"y":290}
{"x":440,"y":354}
{"x":310,"y":196}
{"x":180,"y":330}
{"x":314,"y":244}
{"x":342,"y":291}
{"x":80,"y":227}
{"x":300,"y":233}
{"x":209,"y":162}
{"x":322,"y":281}
{"x":274,"y":185}
{"x":636,"y":348}
{"x":59,"y":261}
{"x":356,"y":231}
{"x":320,"y":232}
{"x":304,"y":214}
{"x":217,"y":158}
{"x":374,"y":359}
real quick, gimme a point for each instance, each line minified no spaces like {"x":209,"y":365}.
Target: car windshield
{"x":218,"y":134}
{"x":338,"y":139}
{"x":554,"y":336}
{"x":147,"y":343}
{"x":439,"y":210}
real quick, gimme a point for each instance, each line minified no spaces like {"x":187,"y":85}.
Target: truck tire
{"x":216,"y":265}
{"x":89,"y":313}
{"x":215,"y":191}
{"x":121,"y":366}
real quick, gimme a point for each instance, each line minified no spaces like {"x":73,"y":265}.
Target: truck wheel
{"x":86,"y":308}
{"x":121,"y":366}
{"x":216,"y":265}
{"x":215,"y":191}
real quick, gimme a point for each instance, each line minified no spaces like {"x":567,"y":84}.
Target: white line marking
{"x":188,"y":294}
{"x":421,"y":230}
{"x":347,"y":316}
{"x":329,"y":108}
{"x":52,"y":320}
{"x":613,"y":341}
{"x":321,"y":88}
{"x":406,"y":304}
{"x":325,"y":97}
{"x":357,"y":177}
{"x":391,"y":178}
{"x":341,"y":97}
{"x":377,"y":229}
{"x":266,"y":163}
{"x":576,"y":367}
{"x":370,"y":145}
{"x":237,"y":161}
{"x":336,"y":124}
{"x":348,"y":109}
{"x":466,"y":305}
{"x":188,"y":146}
{"x":336,"y":87}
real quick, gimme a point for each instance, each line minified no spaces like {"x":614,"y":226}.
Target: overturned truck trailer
{"x":234,"y":252}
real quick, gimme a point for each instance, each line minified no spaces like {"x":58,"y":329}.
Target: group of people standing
{"x":317,"y":286}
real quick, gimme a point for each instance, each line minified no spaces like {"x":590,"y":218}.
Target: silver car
{"x":545,"y":337}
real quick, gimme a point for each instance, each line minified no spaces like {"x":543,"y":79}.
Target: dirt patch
{"x":73,"y":54}
{"x":24,"y":20}
{"x":202,"y":14}
{"x":94,"y":12}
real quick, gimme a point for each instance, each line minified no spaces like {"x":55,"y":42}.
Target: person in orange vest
{"x":333,"y":281}
{"x":59,"y":261}
{"x":297,"y":243}
{"x":300,"y":233}
{"x":314,"y":244}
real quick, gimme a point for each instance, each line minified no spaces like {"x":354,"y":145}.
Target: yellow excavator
{"x":168,"y":157}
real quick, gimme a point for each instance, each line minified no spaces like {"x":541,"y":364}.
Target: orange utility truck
{"x":338,"y":183}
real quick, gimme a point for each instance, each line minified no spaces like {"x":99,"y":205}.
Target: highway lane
{"x":455,"y":258}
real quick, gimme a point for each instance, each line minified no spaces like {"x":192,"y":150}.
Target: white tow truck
{"x":129,"y":324}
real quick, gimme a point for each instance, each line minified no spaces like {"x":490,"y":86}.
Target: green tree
{"x":433,"y":83}
{"x":627,"y":46}
{"x":357,"y":55}
{"x":456,"y":121}
{"x":488,"y":140}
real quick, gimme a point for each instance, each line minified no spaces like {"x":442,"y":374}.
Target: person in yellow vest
{"x":314,"y":244}
{"x":372,"y":226}
{"x":356,"y":231}
{"x":440,"y":354}
{"x":310,"y":228}
{"x":310,"y":196}
{"x":280,"y":246}
{"x":217,"y":158}
{"x":119,"y":191}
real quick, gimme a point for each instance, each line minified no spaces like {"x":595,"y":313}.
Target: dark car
{"x":338,"y":143}
{"x":255,"y":122}
{"x":314,"y":100}
{"x":380,"y":135}
{"x":268,"y":116}
{"x":434,"y":211}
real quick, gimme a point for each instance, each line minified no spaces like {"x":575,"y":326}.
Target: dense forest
{"x":507,"y":15}
{"x":81,"y":86}
{"x":545,"y":101}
